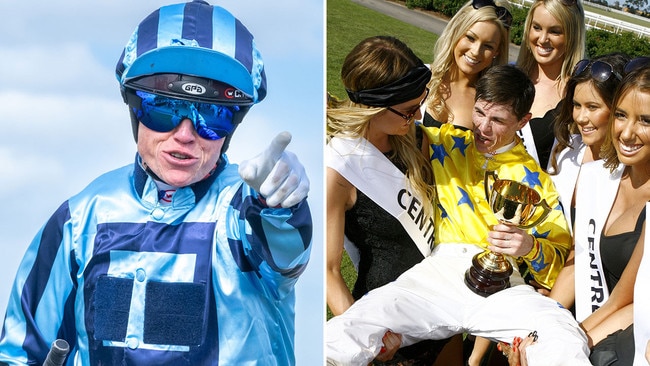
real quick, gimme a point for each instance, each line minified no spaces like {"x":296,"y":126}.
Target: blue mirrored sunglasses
{"x":163,"y":114}
{"x":600,"y":70}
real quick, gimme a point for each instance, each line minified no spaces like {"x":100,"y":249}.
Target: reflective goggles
{"x":502,"y":13}
{"x":163,"y":114}
{"x":600,"y":70}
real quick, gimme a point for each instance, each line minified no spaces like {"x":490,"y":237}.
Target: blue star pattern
{"x":460,"y":144}
{"x":443,"y":212}
{"x":539,"y":263}
{"x":465,"y":199}
{"x":439,"y":153}
{"x":532,"y":178}
{"x":543,"y":235}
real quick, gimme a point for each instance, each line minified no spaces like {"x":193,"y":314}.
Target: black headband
{"x":399,"y":91}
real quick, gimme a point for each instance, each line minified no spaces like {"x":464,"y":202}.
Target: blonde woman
{"x":386,"y":84}
{"x":476,"y":38}
{"x":553,"y":42}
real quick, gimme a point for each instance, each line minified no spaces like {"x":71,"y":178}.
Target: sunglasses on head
{"x":636,"y":63}
{"x":502,"y":13}
{"x":163,"y":114}
{"x":409,"y":116}
{"x":600,"y":70}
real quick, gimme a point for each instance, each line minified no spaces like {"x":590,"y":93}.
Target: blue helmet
{"x":196,"y":40}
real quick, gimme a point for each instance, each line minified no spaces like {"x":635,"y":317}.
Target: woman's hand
{"x":392,"y":342}
{"x":516,"y":352}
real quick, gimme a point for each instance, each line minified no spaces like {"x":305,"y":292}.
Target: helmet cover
{"x":194,"y":39}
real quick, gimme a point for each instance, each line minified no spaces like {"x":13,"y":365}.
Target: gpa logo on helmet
{"x":232,"y":93}
{"x":192,"y":88}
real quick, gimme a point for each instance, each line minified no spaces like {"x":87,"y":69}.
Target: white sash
{"x":526,"y":134}
{"x":642,"y":300}
{"x":569,"y":162}
{"x":366,"y":168}
{"x":595,"y":193}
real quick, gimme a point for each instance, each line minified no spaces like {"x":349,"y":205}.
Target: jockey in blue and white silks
{"x":126,"y":278}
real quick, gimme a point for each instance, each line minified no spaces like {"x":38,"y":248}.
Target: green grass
{"x":618,"y":16}
{"x":349,"y":23}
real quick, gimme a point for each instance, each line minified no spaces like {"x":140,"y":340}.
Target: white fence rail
{"x":598,"y":21}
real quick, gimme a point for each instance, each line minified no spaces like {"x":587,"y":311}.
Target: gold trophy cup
{"x":513,"y":203}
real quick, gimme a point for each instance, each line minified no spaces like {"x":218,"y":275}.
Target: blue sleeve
{"x":41,"y":303}
{"x":275,"y":241}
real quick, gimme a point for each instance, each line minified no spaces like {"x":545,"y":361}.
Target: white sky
{"x":64,"y":122}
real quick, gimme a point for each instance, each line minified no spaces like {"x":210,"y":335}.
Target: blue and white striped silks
{"x":206,"y":280}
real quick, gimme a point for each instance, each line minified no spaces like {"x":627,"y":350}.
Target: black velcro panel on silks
{"x":112,"y":304}
{"x":175,"y":313}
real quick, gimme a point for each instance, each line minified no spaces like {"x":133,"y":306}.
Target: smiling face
{"x":179,"y":157}
{"x":546,"y":38}
{"x":477,"y":48}
{"x":631,"y":128}
{"x":591,"y":114}
{"x":495,"y":126}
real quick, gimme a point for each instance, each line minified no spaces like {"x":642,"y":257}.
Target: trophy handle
{"x":547,"y":210}
{"x":489,"y":173}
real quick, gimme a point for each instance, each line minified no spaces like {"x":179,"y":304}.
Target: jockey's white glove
{"x":277,"y":174}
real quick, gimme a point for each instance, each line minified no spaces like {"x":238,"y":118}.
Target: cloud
{"x":71,"y":69}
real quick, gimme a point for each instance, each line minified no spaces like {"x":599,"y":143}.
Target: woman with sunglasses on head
{"x":552,"y":43}
{"x":386,"y":85}
{"x":580,"y":130}
{"x":609,"y":230}
{"x":582,"y":124}
{"x":476,"y":38}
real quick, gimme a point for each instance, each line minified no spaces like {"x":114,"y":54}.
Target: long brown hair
{"x":375,"y":62}
{"x":564,"y":126}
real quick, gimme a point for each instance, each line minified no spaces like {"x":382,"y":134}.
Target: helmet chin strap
{"x":150,"y":172}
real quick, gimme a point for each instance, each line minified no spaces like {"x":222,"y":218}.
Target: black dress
{"x":616,"y":250}
{"x":542,"y":130}
{"x":385,"y":252}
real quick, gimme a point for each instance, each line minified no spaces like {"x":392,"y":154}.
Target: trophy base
{"x":490,"y":273}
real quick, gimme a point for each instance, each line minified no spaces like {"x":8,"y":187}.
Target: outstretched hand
{"x":277,"y":174}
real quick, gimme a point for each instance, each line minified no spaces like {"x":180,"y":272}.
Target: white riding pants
{"x":431,"y":301}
